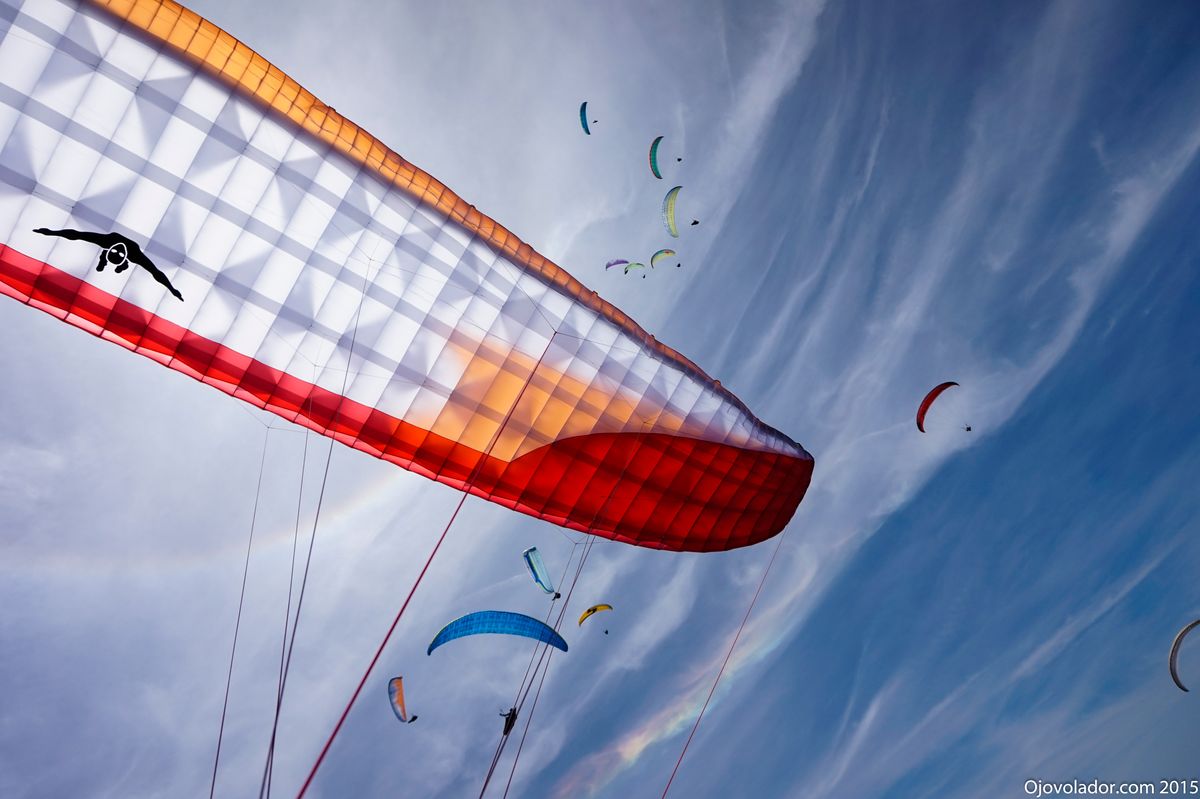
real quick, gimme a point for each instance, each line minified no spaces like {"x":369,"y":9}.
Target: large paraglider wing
{"x":933,"y":394}
{"x":497,"y":622}
{"x":668,"y":211}
{"x":396,"y":695}
{"x":1173,"y":660}
{"x":592,"y":611}
{"x":329,"y":281}
{"x":537,"y":569}
{"x":583,"y":118}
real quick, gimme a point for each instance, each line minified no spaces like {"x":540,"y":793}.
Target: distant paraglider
{"x":592,"y":611}
{"x":497,"y":622}
{"x":654,"y":157}
{"x":933,"y":394}
{"x":537,"y":570}
{"x":668,"y":211}
{"x":661,"y":255}
{"x":1173,"y":661}
{"x":615,"y":262}
{"x":583,"y":118}
{"x":635,"y":265}
{"x":396,"y":695}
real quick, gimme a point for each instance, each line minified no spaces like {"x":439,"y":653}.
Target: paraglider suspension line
{"x":241,"y":603}
{"x":400,"y":613}
{"x":268,"y":770}
{"x":269,"y":766}
{"x":546,"y":654}
{"x":591,"y":540}
{"x":528,"y":720}
{"x":529,"y":716}
{"x":518,"y":700}
{"x":716,"y":681}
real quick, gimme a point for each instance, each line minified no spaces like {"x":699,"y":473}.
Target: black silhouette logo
{"x":117,"y":251}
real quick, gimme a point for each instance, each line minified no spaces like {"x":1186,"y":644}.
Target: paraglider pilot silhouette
{"x":510,"y":720}
{"x":116,"y":250}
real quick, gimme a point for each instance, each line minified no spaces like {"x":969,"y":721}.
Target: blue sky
{"x":890,"y":196}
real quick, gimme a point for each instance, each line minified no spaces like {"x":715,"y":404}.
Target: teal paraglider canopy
{"x":654,"y":157}
{"x":497,"y":622}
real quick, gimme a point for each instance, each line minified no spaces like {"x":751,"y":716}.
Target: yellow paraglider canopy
{"x":593,"y":610}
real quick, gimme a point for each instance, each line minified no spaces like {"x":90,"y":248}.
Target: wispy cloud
{"x":868,"y":464}
{"x":878,"y":213}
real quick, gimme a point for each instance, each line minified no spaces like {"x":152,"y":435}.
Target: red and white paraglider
{"x":169,"y":190}
{"x":290,"y":259}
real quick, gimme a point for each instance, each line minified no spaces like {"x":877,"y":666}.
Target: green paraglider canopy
{"x":661,"y":255}
{"x":668,"y":211}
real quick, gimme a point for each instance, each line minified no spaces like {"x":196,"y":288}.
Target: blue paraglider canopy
{"x":498,"y":622}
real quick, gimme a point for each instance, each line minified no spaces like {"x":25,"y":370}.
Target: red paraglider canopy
{"x":934,"y":393}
